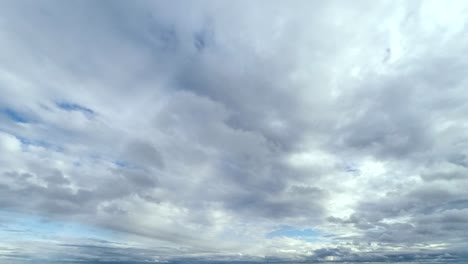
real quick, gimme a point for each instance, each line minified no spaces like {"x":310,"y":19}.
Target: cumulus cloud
{"x":197,"y":130}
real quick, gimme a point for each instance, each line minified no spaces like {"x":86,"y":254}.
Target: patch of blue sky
{"x":351,"y":167}
{"x":39,"y":143}
{"x":122,"y":164}
{"x":14,"y":115}
{"x":67,"y":106}
{"x":127,"y":165}
{"x":292,"y":232}
{"x":18,"y":226}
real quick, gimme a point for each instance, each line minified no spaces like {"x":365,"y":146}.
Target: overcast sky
{"x":247,"y":130}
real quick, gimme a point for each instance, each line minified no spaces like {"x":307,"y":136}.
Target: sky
{"x":233,"y":130}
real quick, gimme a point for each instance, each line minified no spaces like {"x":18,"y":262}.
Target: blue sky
{"x":233,"y":130}
{"x":26,"y":227}
{"x":14,"y":116}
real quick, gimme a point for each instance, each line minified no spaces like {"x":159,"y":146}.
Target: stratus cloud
{"x":202,"y":133}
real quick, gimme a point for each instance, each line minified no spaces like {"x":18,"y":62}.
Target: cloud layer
{"x":234,"y":130}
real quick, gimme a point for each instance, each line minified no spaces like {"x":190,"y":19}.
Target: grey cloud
{"x":430,"y":213}
{"x":143,"y":154}
{"x":57,"y":178}
{"x":389,"y":124}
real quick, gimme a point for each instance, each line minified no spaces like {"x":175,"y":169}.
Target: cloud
{"x":198,"y":135}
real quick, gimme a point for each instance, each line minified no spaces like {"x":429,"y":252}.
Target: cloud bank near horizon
{"x":143,"y":130}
